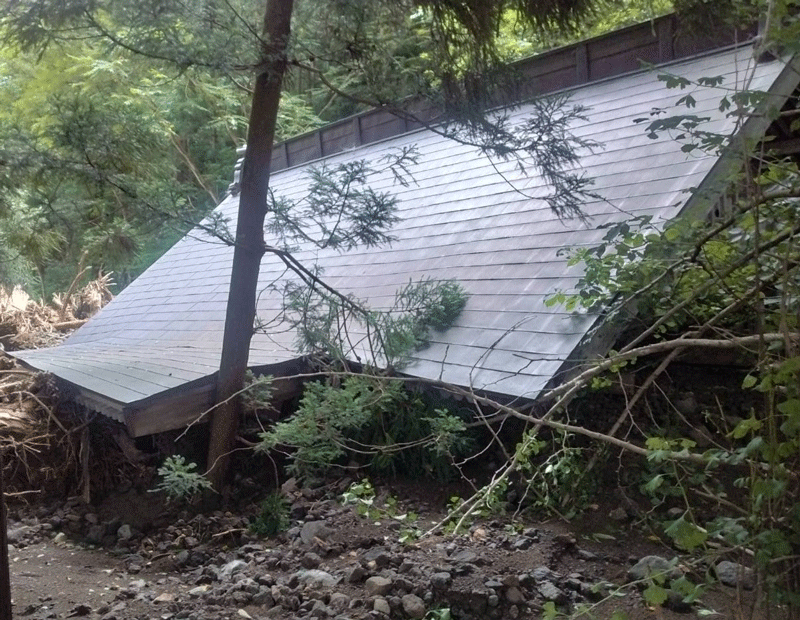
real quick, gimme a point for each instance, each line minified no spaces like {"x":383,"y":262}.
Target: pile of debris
{"x":44,"y":438}
{"x":52,"y":446}
{"x":28,"y":324}
{"x":37,"y":447}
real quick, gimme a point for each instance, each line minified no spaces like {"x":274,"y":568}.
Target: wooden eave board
{"x":460,"y":220}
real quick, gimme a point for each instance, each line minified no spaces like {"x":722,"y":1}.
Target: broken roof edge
{"x":192,"y":400}
{"x":604,"y":333}
{"x":620,"y":52}
{"x":719,"y":178}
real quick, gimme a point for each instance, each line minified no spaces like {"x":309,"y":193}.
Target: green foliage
{"x":442,"y":613}
{"x":179,"y":480}
{"x":554,"y":476}
{"x":273,"y":517}
{"x":258,"y":392}
{"x":366,"y":417}
{"x":362,"y":496}
{"x":343,"y":328}
{"x":731,"y":276}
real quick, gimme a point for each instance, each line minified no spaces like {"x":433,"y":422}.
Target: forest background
{"x":108,"y":158}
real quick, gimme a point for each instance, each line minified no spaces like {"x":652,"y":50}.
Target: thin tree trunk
{"x":249,"y":247}
{"x":5,"y":573}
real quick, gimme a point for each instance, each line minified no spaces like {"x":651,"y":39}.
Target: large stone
{"x":124,"y":532}
{"x":378,"y":586}
{"x":464,"y":556}
{"x":317,"y":578}
{"x":413,"y":606}
{"x":95,"y":534}
{"x":15,"y":535}
{"x":440,"y":581}
{"x":381,"y":605}
{"x":653,"y":566}
{"x":542,"y":573}
{"x":234,"y":566}
{"x":514,"y":595}
{"x":310,"y":560}
{"x":356,"y":574}
{"x":313,"y":530}
{"x":735,"y":575}
{"x":550,"y":592}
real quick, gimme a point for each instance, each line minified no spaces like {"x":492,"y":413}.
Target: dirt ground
{"x":56,"y":574}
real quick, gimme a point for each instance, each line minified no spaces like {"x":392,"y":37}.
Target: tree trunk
{"x":5,"y":573}
{"x":249,"y":248}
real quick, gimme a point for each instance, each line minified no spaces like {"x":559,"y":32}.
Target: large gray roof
{"x":461,"y":220}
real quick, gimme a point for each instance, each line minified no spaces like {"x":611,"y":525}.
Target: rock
{"x":735,"y":575}
{"x":95,"y":534}
{"x":339,"y":601}
{"x":124,"y":532}
{"x":652,"y":565}
{"x":166,"y":597}
{"x":316,"y":578}
{"x":227,"y":571}
{"x":550,"y":592}
{"x":378,"y":586}
{"x":465,"y":556}
{"x":314,"y":530}
{"x":381,"y":605}
{"x":439,"y":581}
{"x":15,"y":536}
{"x":514,"y":595}
{"x":356,"y":574}
{"x":521,"y":544}
{"x":413,"y":606}
{"x":310,"y":560}
{"x":542,"y":573}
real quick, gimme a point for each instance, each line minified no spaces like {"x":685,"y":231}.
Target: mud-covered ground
{"x":133,"y":557}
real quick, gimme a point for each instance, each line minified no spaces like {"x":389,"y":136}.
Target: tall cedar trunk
{"x":249,"y":247}
{"x":5,"y":574}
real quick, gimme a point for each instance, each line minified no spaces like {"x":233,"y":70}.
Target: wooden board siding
{"x":608,"y":55}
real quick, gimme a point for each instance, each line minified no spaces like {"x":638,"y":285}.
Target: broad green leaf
{"x":655,"y":595}
{"x":686,"y":534}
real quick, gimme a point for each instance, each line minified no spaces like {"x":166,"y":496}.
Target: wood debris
{"x":50,"y":444}
{"x":28,"y":324}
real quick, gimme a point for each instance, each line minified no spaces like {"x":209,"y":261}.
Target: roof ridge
{"x":658,"y":42}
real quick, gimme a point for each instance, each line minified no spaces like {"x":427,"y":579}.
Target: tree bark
{"x":5,"y":573}
{"x":249,"y":241}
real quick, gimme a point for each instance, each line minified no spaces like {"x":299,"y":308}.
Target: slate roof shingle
{"x":460,"y":220}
